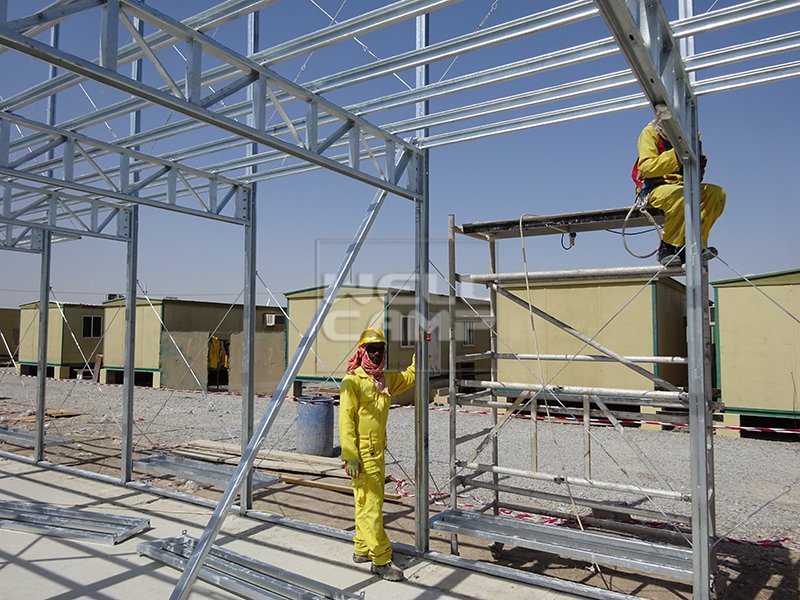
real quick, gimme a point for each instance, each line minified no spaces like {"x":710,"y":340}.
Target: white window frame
{"x":468,"y":333}
{"x":408,"y":331}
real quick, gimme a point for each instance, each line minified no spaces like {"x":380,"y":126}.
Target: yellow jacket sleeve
{"x":651,"y":163}
{"x":348,"y":418}
{"x":400,"y":382}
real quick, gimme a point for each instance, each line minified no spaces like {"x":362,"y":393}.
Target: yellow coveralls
{"x":362,"y":433}
{"x":668,"y":194}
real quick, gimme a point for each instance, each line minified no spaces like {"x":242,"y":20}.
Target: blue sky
{"x":305,"y":221}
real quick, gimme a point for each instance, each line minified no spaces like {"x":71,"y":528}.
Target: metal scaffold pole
{"x":129,"y":350}
{"x":422,"y":217}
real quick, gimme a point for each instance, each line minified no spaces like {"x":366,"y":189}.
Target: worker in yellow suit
{"x":366,"y":393}
{"x":661,"y":172}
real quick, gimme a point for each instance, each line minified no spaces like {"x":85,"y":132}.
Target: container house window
{"x":408,"y":331}
{"x":468,"y":333}
{"x":92,"y":326}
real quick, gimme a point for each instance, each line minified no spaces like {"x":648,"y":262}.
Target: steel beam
{"x":197,"y":111}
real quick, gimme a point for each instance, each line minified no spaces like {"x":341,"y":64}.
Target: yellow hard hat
{"x":371,"y":336}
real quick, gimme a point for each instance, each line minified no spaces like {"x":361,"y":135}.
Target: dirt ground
{"x":753,"y":571}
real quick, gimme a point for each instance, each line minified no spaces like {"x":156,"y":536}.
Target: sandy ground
{"x":761,"y":560}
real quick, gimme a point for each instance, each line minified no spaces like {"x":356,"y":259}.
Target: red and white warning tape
{"x":402,"y":487}
{"x":624,"y":422}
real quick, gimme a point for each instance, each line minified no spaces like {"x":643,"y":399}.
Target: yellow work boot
{"x":388,"y":572}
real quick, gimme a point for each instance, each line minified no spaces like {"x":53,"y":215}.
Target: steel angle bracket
{"x":241,"y":574}
{"x":74,"y":523}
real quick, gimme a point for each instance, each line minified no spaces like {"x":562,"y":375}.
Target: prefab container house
{"x":758,"y":348}
{"x":180,"y":344}
{"x":74,"y":338}
{"x":392,"y":311}
{"x":651,"y":324}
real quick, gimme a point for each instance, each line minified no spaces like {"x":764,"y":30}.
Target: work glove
{"x":352,"y":467}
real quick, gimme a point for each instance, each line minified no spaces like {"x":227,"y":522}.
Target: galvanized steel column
{"x":131,"y":279}
{"x":700,"y":432}
{"x":41,"y":373}
{"x":422,"y":218}
{"x":129,"y":351}
{"x":249,"y":315}
{"x":451,"y":374}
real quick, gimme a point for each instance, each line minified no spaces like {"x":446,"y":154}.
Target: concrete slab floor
{"x":34,"y":566}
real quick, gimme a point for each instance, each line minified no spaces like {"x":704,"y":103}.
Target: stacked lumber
{"x":275,"y":461}
{"x":48,"y":414}
{"x":272,"y":460}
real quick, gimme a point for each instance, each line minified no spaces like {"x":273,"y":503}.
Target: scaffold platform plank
{"x":663,"y":560}
{"x":597,"y":220}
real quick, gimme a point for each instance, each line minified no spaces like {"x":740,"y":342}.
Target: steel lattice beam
{"x":195,"y":105}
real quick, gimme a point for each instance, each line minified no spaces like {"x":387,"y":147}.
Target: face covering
{"x":361,"y":359}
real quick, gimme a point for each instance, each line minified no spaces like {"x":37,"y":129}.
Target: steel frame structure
{"x":63,"y":180}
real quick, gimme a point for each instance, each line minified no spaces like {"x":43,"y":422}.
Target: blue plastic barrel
{"x":315,"y":425}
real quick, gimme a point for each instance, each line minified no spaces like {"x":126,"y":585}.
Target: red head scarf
{"x":361,"y":359}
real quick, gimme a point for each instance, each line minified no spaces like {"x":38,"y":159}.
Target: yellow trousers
{"x":669,"y":198}
{"x":371,"y":539}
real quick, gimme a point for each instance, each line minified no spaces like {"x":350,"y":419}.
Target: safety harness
{"x":645,"y":186}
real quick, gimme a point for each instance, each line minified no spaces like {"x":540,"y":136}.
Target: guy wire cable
{"x":189,"y":368}
{"x":71,"y":389}
{"x":551,"y":425}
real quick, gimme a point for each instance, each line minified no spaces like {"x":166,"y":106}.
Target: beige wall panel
{"x":9,"y":326}
{"x":759,"y":348}
{"x":148,"y":336}
{"x":29,"y":327}
{"x":587,"y":309}
{"x":29,"y":333}
{"x":87,"y":347}
{"x":351,"y":313}
{"x":174,"y":371}
{"x":671,"y":308}
{"x":349,"y":316}
{"x":356,"y":309}
{"x":270,"y":361}
{"x":194,"y":316}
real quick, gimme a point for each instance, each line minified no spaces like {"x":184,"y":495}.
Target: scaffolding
{"x":64,"y":177}
{"x":601,"y":535}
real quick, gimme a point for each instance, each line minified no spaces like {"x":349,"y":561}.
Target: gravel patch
{"x":757,"y":481}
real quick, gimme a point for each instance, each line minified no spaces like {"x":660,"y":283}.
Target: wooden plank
{"x":333,"y":487}
{"x":219,"y":452}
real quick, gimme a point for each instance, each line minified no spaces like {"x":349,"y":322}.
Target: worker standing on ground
{"x":366,"y":393}
{"x":660,"y":173}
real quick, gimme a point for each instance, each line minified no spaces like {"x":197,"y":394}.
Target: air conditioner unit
{"x":269,"y":320}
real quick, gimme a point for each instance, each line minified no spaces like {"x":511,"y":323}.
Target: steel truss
{"x":60,"y":184}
